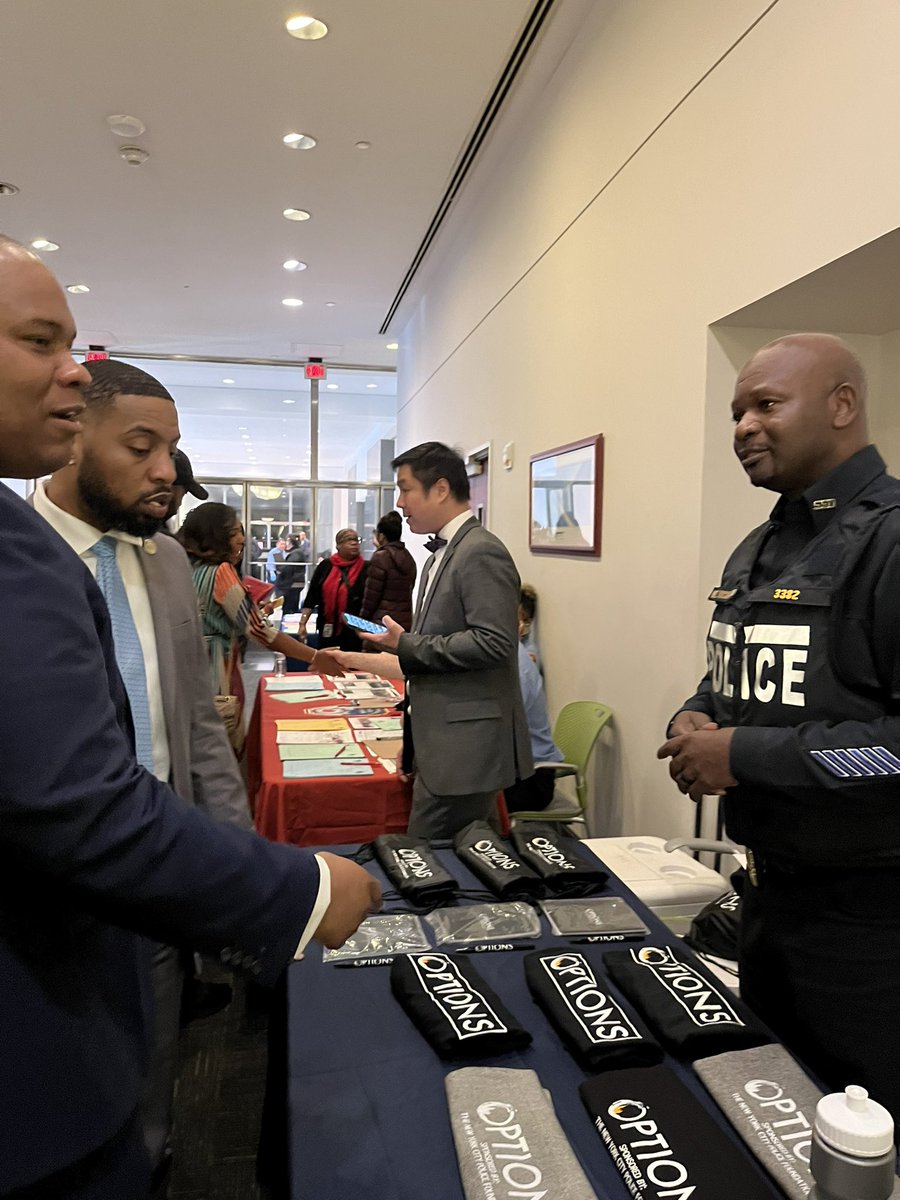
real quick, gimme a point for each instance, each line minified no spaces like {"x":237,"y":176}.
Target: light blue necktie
{"x":129,"y":655}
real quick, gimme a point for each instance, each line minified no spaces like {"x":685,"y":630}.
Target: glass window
{"x":346,"y":508}
{"x":278,"y":513}
{"x":357,"y":425}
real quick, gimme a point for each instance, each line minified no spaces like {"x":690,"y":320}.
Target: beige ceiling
{"x":183,"y":254}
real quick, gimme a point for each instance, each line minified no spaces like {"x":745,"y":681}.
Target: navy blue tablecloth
{"x":367,"y":1114}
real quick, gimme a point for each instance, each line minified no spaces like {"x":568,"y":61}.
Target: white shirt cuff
{"x":323,"y":899}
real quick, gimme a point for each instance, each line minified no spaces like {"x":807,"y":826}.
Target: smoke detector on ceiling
{"x":133,"y":155}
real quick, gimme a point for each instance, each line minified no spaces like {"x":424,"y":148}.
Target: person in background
{"x":797,"y":721}
{"x":184,"y":482}
{"x":536,"y":791}
{"x":292,"y":573}
{"x":527,"y":623}
{"x":96,"y":854}
{"x":273,"y":559}
{"x":466,"y":736}
{"x":391,"y":575}
{"x":213,"y":537}
{"x":337,"y":586}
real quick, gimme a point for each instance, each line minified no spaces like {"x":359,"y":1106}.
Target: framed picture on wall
{"x":566,"y":498}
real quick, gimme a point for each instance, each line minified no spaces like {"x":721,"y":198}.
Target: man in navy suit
{"x":94,"y":850}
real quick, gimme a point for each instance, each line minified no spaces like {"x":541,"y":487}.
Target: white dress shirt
{"x":81,"y":537}
{"x":448,"y":533}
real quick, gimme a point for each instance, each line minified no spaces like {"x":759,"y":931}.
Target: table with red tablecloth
{"x":315,"y":812}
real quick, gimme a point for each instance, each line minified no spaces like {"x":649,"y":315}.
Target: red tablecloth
{"x":316,"y":812}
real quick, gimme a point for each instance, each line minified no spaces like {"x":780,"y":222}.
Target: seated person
{"x":527,"y":627}
{"x":536,"y":792}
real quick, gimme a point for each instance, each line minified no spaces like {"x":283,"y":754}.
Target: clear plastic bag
{"x":382,"y":936}
{"x":484,"y":923}
{"x":606,"y":914}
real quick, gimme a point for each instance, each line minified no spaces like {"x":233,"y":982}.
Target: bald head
{"x":39,"y":380}
{"x":799,"y":411}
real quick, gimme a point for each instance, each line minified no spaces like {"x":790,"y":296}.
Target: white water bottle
{"x":853,"y":1155}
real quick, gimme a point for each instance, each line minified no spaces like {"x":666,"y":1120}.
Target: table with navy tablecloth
{"x":367,"y":1116}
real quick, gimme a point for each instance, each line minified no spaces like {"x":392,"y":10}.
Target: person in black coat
{"x":336,"y":588}
{"x":391,"y":575}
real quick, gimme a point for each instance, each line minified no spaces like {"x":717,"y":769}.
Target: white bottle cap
{"x":852,"y":1123}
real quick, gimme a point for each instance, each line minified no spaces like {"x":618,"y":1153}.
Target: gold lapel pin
{"x":149,"y":546}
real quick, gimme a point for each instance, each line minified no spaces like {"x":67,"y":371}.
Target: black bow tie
{"x":435,"y":543}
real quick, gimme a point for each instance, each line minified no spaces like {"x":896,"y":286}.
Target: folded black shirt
{"x":593,"y":1025}
{"x":489,"y":858}
{"x":664,"y":1142}
{"x":693,"y":1014}
{"x":564,"y":868}
{"x":414,"y":869}
{"x":453,"y":1008}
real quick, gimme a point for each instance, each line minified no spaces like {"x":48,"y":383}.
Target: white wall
{"x":652,"y":190}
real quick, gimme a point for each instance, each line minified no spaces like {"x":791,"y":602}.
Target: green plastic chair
{"x":577,"y":728}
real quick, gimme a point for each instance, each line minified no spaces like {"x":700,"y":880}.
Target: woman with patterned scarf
{"x":213,"y":537}
{"x":337,"y":587}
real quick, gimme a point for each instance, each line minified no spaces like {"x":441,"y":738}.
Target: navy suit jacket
{"x":93,"y":852}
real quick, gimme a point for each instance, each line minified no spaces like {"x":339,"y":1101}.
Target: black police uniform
{"x":803,"y":657}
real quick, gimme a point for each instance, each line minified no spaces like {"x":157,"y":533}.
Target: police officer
{"x":797,"y":720}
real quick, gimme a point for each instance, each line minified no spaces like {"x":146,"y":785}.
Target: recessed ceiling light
{"x":294,"y":264}
{"x":292,"y":302}
{"x":77,"y":289}
{"x":8,"y":189}
{"x":124,"y":126}
{"x":363,"y":145}
{"x":296,"y":214}
{"x":332,"y":387}
{"x":228,"y":381}
{"x":299,"y":141}
{"x":307,"y":29}
{"x":330,"y":304}
{"x":246,"y":437}
{"x":371,"y":385}
{"x":289,"y":401}
{"x":43,"y":244}
{"x":392,"y":346}
{"x":242,"y":428}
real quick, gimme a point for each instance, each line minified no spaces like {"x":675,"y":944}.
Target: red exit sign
{"x":95,"y":356}
{"x":315,"y":370}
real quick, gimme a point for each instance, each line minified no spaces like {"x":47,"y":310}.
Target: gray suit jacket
{"x":204,"y":770}
{"x":461,"y":665}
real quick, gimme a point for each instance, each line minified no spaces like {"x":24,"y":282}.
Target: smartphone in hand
{"x":365,"y":626}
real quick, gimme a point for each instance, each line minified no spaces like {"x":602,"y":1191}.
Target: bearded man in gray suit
{"x":119,"y":484}
{"x":460,"y":660}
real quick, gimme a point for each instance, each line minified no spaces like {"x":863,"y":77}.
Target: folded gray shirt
{"x":508,"y":1140}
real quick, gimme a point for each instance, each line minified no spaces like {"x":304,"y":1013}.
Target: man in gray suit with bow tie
{"x":119,"y":484}
{"x":460,"y":658}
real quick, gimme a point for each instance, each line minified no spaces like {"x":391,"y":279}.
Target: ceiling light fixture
{"x":371,"y":385}
{"x":332,"y":387}
{"x":294,"y":264}
{"x":124,"y":126}
{"x":307,"y":29}
{"x":289,"y":401}
{"x":392,"y":346}
{"x":299,"y":141}
{"x":330,"y":304}
{"x":44,"y":244}
{"x":363,"y":145}
{"x":296,"y":214}
{"x":8,"y":189}
{"x":292,"y":302}
{"x":77,"y":289}
{"x":228,"y":381}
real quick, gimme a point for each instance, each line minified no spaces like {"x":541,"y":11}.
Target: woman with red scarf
{"x":337,"y":587}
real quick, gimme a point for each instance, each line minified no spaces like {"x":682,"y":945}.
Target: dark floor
{"x":218,"y":1103}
